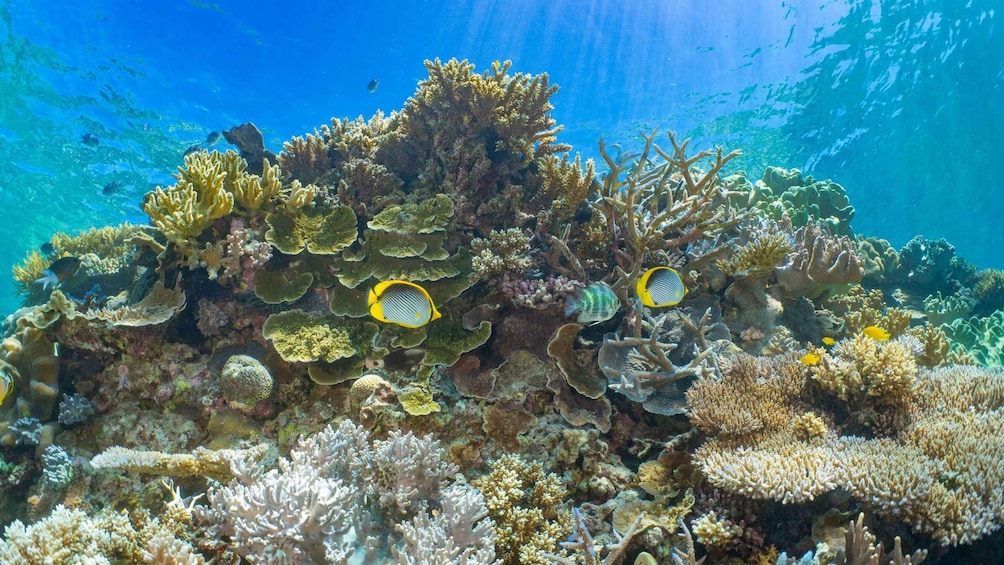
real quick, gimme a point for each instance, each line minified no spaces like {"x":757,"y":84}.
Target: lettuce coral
{"x":318,"y":230}
{"x":301,"y":337}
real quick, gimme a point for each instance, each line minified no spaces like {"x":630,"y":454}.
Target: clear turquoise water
{"x":900,"y":104}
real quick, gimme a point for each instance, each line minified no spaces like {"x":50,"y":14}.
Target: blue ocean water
{"x":898,"y":102}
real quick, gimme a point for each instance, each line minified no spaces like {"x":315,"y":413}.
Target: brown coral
{"x":820,"y":263}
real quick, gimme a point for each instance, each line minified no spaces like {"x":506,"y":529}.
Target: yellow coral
{"x":713,"y":531}
{"x":567,"y":182}
{"x":750,"y":397}
{"x":862,"y":366}
{"x":215,"y":464}
{"x":809,"y":426}
{"x":526,"y":505}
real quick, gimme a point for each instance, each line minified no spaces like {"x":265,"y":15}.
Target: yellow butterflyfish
{"x":403,"y":303}
{"x":828,"y":341}
{"x":660,"y":287}
{"x":6,"y":387}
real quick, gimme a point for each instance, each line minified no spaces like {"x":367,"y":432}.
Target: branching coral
{"x":527,"y":506}
{"x":339,"y":496}
{"x":765,"y":244}
{"x":656,"y":201}
{"x":211,"y":186}
{"x":503,"y":251}
{"x":861,"y":367}
{"x":639,"y":366}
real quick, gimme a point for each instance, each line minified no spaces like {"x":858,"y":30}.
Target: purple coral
{"x":75,"y":409}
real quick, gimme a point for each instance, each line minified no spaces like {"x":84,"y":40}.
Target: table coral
{"x":931,"y":475}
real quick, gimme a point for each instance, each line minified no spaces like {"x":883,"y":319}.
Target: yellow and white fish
{"x":6,"y":387}
{"x":403,"y":303}
{"x":660,"y":287}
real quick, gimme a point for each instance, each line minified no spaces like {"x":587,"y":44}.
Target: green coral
{"x":783,"y":192}
{"x":276,"y":287}
{"x":304,"y":338}
{"x":429,"y":216}
{"x":980,"y":337}
{"x":319,"y":231}
{"x":989,"y":290}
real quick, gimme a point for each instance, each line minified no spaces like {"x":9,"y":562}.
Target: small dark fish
{"x":213,"y":137}
{"x":111,"y":188}
{"x":192,"y":149}
{"x":58,"y":271}
{"x":372,"y":86}
{"x":48,"y":249}
{"x":90,"y":140}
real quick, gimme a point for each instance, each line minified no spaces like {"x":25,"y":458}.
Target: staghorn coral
{"x":819,"y":263}
{"x":388,"y":501}
{"x":640,"y":367}
{"x":527,"y":506}
{"x":655,"y":202}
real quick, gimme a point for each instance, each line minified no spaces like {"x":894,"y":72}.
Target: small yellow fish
{"x":876,"y":333}
{"x":660,"y":287}
{"x":6,"y":387}
{"x":828,"y":341}
{"x":810,"y":359}
{"x":403,"y":303}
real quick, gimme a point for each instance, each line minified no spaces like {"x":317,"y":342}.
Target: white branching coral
{"x":339,"y":497}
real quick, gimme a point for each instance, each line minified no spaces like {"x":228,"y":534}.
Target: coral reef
{"x":804,"y":375}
